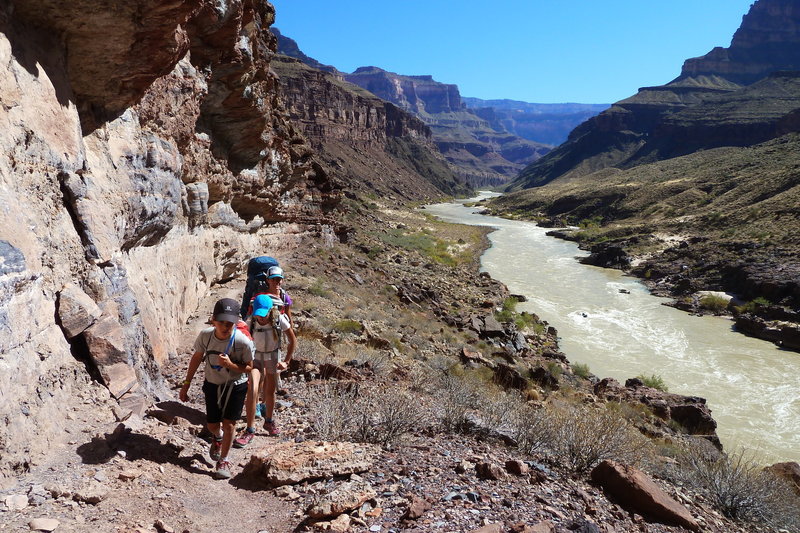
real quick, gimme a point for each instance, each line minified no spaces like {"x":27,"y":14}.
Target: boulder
{"x":76,"y":310}
{"x":469,"y":355}
{"x":789,"y":471}
{"x":491,"y":327}
{"x":637,"y":493}
{"x":344,"y":498}
{"x":517,"y":468}
{"x":289,"y":463}
{"x":106,"y":342}
{"x":509,"y":377}
{"x":489,"y":471}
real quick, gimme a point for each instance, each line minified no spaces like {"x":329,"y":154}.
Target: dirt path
{"x":144,"y":474}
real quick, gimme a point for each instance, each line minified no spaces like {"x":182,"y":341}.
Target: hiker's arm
{"x":283,"y":365}
{"x":291,"y":345}
{"x":194,"y":364}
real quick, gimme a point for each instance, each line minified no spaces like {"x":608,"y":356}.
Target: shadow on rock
{"x":138,"y":446}
{"x":174,"y":409}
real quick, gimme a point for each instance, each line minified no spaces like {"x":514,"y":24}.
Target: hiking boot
{"x":244,"y":439}
{"x":271,"y":427}
{"x":216,"y":447}
{"x":223,"y":470}
{"x":260,"y":408}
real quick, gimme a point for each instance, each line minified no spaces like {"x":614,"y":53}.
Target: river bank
{"x":613,"y":324}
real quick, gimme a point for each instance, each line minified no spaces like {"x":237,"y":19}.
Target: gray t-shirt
{"x":241,"y":352}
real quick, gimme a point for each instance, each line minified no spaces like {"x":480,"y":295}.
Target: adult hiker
{"x":279,"y":296}
{"x":269,"y":327}
{"x":228,"y":355}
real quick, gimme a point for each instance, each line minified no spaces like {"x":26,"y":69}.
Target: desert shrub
{"x":347,"y":326}
{"x":318,"y":289}
{"x":740,"y":488}
{"x":333,"y":406}
{"x":378,"y":361}
{"x":591,"y":223}
{"x":555,"y":369}
{"x":654,"y":381}
{"x":508,"y":313}
{"x":311,"y":349}
{"x":581,"y":370}
{"x":713,"y":303}
{"x":582,"y":436}
{"x":753,"y":305}
{"x":498,"y":408}
{"x":383,"y":415}
{"x":378,"y":415}
{"x":532,"y":428}
{"x":456,"y":396}
{"x":507,"y":310}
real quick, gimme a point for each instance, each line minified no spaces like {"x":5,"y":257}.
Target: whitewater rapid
{"x":614,"y":325}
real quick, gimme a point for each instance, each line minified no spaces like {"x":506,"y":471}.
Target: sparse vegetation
{"x":583,"y":436}
{"x":581,"y":370}
{"x":740,"y":487}
{"x":348,"y":326}
{"x":654,"y":381}
{"x":714,"y":303}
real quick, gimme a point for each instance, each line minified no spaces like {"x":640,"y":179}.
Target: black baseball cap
{"x":226,"y":310}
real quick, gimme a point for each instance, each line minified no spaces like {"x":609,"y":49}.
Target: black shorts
{"x":233,"y":408}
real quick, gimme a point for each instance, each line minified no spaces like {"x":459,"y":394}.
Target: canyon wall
{"x":372,"y":145}
{"x":145,"y":157}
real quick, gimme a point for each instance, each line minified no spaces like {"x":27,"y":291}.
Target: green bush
{"x":347,"y":326}
{"x":581,"y":370}
{"x":753,"y":305}
{"x":318,"y":289}
{"x":654,"y":381}
{"x":713,"y":303}
{"x":508,"y":313}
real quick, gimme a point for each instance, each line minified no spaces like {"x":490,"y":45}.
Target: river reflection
{"x":613,"y":324}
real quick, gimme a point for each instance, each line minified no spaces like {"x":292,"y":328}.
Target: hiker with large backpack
{"x":258,"y":282}
{"x":269,"y":327}
{"x":228,"y":357}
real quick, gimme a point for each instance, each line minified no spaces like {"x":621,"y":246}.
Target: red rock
{"x":516,"y":467}
{"x":489,"y":471}
{"x":416,"y":508}
{"x":636,"y":492}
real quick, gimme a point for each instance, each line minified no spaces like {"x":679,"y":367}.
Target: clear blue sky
{"x":543,"y":51}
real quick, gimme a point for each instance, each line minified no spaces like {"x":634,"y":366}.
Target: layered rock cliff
{"x":768,"y":40}
{"x":373,"y":146}
{"x":145,"y":157}
{"x":477,"y":151}
{"x":715,"y":102}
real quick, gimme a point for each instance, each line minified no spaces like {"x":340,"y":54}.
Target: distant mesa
{"x":737,"y":96}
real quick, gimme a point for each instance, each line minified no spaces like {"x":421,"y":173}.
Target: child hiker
{"x":228,"y":356}
{"x":268,"y":327}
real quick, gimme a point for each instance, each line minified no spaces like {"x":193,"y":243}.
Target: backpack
{"x":273,"y":320}
{"x":256,"y":280}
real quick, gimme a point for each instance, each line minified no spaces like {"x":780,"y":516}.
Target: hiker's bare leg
{"x":213,"y":428}
{"x":252,"y":396}
{"x":269,"y":394}
{"x":227,"y":436}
